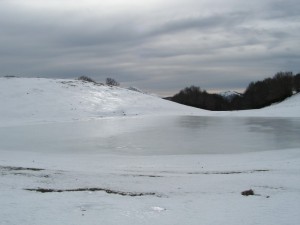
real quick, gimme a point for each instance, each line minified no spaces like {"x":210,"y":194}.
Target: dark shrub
{"x":87,"y":79}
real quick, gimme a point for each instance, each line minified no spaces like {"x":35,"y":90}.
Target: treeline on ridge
{"x":257,"y":95}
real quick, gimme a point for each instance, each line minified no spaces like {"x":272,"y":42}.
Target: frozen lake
{"x":159,"y":135}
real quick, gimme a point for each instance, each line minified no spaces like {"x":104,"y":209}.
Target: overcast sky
{"x":160,"y":46}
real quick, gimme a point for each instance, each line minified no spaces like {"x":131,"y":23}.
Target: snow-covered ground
{"x":92,"y":187}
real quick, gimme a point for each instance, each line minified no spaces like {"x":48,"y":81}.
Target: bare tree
{"x":112,"y":82}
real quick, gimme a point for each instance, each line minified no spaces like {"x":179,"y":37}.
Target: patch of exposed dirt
{"x":108,"y":191}
{"x":13,"y":168}
{"x":141,"y":175}
{"x":229,"y":172}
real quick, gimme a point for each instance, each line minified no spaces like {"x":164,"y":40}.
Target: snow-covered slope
{"x":288,"y":108}
{"x":25,"y":100}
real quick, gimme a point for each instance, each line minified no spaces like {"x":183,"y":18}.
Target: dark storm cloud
{"x":158,"y":47}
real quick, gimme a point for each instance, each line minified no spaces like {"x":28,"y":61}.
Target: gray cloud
{"x":202,"y":23}
{"x":161,"y":47}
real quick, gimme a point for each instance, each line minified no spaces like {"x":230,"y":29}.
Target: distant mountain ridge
{"x":229,"y":95}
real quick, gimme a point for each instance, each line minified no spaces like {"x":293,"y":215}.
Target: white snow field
{"x":77,"y":153}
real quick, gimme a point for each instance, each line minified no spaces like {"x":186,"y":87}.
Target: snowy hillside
{"x":48,"y":100}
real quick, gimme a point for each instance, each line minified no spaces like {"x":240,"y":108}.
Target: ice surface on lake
{"x":163,"y":135}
